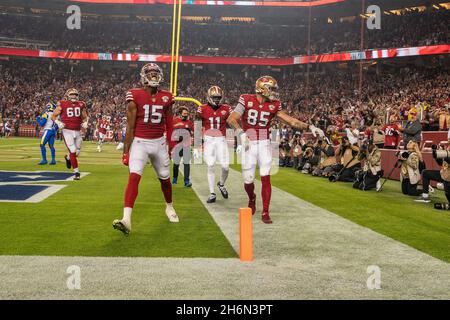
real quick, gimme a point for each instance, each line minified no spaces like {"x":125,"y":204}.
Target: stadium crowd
{"x":331,"y":100}
{"x":412,"y":28}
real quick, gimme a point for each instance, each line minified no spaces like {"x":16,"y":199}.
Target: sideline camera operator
{"x":410,"y":169}
{"x":327,"y":158}
{"x":442,"y":157}
{"x":345,"y":171}
{"x":367,"y":178}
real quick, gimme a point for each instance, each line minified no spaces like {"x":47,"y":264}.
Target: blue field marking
{"x":19,"y":192}
{"x":34,"y":176}
{"x":27,"y":186}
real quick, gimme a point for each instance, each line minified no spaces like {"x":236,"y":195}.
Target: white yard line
{"x":308,"y":253}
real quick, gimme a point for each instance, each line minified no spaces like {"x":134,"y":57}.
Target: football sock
{"x":223,"y":176}
{"x":73,"y":160}
{"x":43,"y":152}
{"x":52,"y":151}
{"x":166,"y":188}
{"x":211,"y":178}
{"x":266,"y":192}
{"x":250,"y":189}
{"x":127,"y":214}
{"x":176,"y":168}
{"x":131,"y":191}
{"x":187,"y":171}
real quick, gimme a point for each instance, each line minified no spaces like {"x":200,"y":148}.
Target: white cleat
{"x":171,"y":214}
{"x":122,"y":226}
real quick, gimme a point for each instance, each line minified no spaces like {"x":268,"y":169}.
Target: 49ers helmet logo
{"x":267,"y":86}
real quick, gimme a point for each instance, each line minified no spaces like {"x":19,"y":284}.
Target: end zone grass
{"x":77,"y":221}
{"x":388,"y":212}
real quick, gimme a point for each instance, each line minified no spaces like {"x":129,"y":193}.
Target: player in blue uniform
{"x":49,"y":134}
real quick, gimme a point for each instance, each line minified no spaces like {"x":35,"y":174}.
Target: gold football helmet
{"x":215,"y":96}
{"x":151,"y":75}
{"x":267,"y":86}
{"x":72,"y":94}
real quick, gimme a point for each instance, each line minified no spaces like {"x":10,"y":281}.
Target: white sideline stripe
{"x":38,"y":197}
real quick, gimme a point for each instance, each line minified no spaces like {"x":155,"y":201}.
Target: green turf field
{"x":388,"y":212}
{"x":77,"y":221}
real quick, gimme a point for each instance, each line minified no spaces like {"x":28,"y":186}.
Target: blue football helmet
{"x":50,"y":107}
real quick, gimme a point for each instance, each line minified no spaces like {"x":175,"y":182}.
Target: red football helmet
{"x":151,"y":75}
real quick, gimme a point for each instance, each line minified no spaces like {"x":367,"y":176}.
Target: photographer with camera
{"x":309,"y":158}
{"x":296,"y":150}
{"x":368,"y":178}
{"x":411,"y":166}
{"x":284,"y":150}
{"x":345,"y":171}
{"x":327,"y":158}
{"x":442,"y":157}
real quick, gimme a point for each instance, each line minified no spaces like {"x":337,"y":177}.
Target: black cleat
{"x":68,"y":164}
{"x":223,"y":190}
{"x":77,"y":176}
{"x":212,"y":198}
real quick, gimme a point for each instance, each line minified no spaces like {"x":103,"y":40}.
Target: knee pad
{"x":211,"y":169}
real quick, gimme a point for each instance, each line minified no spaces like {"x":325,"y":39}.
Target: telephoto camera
{"x":402,"y":155}
{"x":439,"y":153}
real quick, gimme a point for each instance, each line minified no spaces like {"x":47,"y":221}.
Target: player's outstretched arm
{"x":131,"y":124}
{"x":295,"y":123}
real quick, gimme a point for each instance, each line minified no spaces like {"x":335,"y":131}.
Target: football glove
{"x":126,"y":159}
{"x":84,"y":125}
{"x":59,"y":124}
{"x":245,"y":143}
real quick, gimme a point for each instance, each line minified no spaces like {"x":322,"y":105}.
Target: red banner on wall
{"x":281,"y":61}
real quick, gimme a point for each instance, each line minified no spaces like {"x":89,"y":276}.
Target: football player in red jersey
{"x":183,"y":129}
{"x":214,"y":117}
{"x":256,"y":111}
{"x":149,"y":116}
{"x":102,"y":127}
{"x":73,"y":117}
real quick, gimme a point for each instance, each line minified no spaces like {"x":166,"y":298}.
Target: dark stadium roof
{"x":346,"y":8}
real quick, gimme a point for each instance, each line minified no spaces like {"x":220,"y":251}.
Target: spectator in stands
{"x":352,"y":133}
{"x":412,"y":129}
